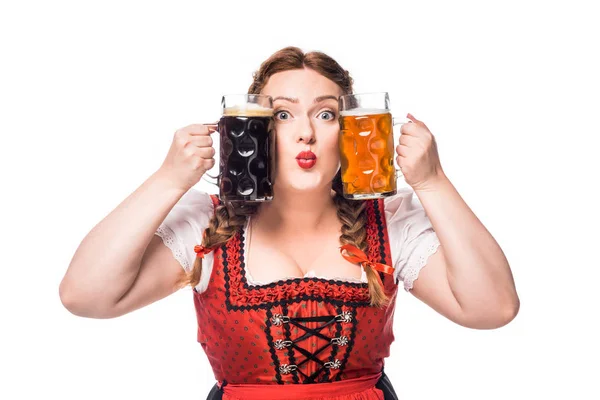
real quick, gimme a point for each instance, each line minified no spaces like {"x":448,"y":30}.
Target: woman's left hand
{"x":418,"y":156}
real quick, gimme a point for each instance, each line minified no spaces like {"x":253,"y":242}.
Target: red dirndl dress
{"x":299,"y":338}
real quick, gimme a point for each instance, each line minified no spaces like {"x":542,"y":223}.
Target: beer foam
{"x":357,"y":112}
{"x":248,"y":110}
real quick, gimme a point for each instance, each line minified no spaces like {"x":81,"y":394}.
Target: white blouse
{"x":411,"y":235}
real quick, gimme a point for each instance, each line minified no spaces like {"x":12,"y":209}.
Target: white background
{"x":92,"y":92}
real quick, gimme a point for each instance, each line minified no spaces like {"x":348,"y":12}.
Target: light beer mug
{"x":367,"y":146}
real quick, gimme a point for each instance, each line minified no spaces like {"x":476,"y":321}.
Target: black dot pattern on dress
{"x":239,"y":338}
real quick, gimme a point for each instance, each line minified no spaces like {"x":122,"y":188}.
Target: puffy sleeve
{"x":183,"y":228}
{"x":411,"y":235}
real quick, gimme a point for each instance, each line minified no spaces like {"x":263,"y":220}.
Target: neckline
{"x":239,"y":295}
{"x":249,"y":280}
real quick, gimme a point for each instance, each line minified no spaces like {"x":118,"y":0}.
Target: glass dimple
{"x":347,"y":139}
{"x":258,"y":166}
{"x":226,"y":147}
{"x":366,"y":166}
{"x":245,"y":187}
{"x":236,"y":127}
{"x":365,"y":126}
{"x":255,"y":125}
{"x":386,"y":164}
{"x":265,"y":184}
{"x":245,"y":147}
{"x":377,"y":145}
{"x":353,"y":180}
{"x":236,"y":167}
{"x":379,"y":181}
{"x":384,"y":124}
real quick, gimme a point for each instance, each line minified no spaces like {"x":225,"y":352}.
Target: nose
{"x":306,"y":133}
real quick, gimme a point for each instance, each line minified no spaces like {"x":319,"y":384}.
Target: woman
{"x":282,"y":313}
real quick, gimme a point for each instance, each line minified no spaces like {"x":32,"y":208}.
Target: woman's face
{"x":305,"y":106}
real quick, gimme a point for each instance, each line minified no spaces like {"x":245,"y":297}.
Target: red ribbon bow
{"x":358,"y":256}
{"x":201,"y":251}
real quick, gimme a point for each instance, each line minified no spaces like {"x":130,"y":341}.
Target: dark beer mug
{"x":246,"y":143}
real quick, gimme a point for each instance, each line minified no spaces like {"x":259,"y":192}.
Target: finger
{"x":417,"y":122}
{"x":200,"y":141}
{"x":408,"y":140}
{"x":208,"y":164}
{"x":409,"y":128}
{"x":412,"y":118}
{"x":400,"y":160}
{"x":402,"y":150}
{"x":206,"y":129}
{"x":206,"y":152}
{"x":194,"y":129}
{"x":212,"y":127}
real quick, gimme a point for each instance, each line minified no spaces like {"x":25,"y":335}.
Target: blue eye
{"x":280,"y":115}
{"x":330,"y":114}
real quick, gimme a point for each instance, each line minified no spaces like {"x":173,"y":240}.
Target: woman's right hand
{"x":190,"y":156}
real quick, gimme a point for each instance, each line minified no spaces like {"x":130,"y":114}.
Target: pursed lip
{"x":306,"y":155}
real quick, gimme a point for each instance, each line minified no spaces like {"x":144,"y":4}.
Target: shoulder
{"x":194,"y":205}
{"x":411,"y":234}
{"x":190,"y":215}
{"x":401,"y":205}
{"x":196,"y":199}
{"x":184,"y":225}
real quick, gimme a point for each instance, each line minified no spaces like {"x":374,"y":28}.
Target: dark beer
{"x":245,"y":155}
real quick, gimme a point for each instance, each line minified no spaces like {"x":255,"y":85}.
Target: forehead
{"x":304,"y":84}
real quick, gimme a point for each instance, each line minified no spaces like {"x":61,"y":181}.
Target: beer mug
{"x":246,"y":146}
{"x":367,"y":146}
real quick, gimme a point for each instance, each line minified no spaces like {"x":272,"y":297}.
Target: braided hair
{"x":230,"y":217}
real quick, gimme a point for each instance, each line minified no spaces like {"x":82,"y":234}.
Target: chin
{"x":304,"y":186}
{"x":303,"y":181}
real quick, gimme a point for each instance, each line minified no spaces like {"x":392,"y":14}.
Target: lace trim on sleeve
{"x":430,"y":244}
{"x":168,"y":238}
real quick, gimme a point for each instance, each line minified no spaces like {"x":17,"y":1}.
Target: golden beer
{"x":366,"y":144}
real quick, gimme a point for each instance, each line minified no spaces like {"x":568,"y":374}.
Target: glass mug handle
{"x":214,"y":173}
{"x":396,"y":122}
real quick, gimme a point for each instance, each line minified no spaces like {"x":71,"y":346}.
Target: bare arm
{"x":469,"y":279}
{"x":121,"y":265}
{"x":109,"y":259}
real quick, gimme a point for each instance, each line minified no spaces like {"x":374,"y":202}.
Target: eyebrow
{"x":296,"y":101}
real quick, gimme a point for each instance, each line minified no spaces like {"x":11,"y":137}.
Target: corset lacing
{"x":284,"y":369}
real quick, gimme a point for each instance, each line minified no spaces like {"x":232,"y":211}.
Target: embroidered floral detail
{"x":345,"y":316}
{"x":286,"y":369}
{"x":279,"y":319}
{"x":340,"y":341}
{"x":335,"y":364}
{"x":282,"y":344}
